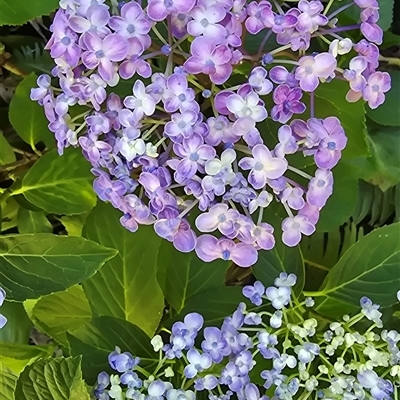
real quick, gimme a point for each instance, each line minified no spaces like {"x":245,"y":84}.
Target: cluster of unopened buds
{"x":306,"y":358}
{"x":187,"y":142}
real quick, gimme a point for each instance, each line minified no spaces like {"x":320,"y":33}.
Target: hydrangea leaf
{"x":368,"y":268}
{"x":16,"y":356}
{"x":385,"y":114}
{"x":98,"y":338}
{"x":18,"y":326}
{"x":35,"y":265}
{"x":280,"y":259}
{"x":58,"y":312}
{"x":183,"y":275}
{"x":17,"y":12}
{"x":126,"y":287}
{"x":7,"y":155}
{"x":32,"y":125}
{"x":60,"y":185}
{"x":57,"y":379}
{"x":33,"y":222}
{"x":8,"y":381}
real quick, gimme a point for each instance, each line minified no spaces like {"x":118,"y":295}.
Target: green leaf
{"x":280,"y":259}
{"x":368,"y":268}
{"x":385,"y":114}
{"x":126,"y":287}
{"x":97,"y":339}
{"x":7,"y":155}
{"x":74,"y":223}
{"x":8,"y":381}
{"x":58,"y":312}
{"x":17,"y":12}
{"x":35,"y":265}
{"x":383,"y":168}
{"x":214,"y":305}
{"x":56,"y":379}
{"x":33,"y":222}
{"x":340,"y":206}
{"x":18,"y":326}
{"x":16,"y":356}
{"x":9,"y":211}
{"x":27,"y":116}
{"x":183,"y":275}
{"x":33,"y":59}
{"x":385,"y":14}
{"x":331,"y":101}
{"x":60,"y":185}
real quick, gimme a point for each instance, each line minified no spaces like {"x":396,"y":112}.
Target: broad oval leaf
{"x":126,"y":287}
{"x":183,"y":275}
{"x":97,"y":339}
{"x":58,"y":312}
{"x":27,"y":116}
{"x":18,"y":326}
{"x":280,"y":259}
{"x":8,"y":381}
{"x":7,"y":155}
{"x":56,"y":379}
{"x":215,"y":305}
{"x":369,"y":268}
{"x":33,"y":222}
{"x":17,"y":12}
{"x":16,"y":356}
{"x":60,"y":185}
{"x":35,"y":265}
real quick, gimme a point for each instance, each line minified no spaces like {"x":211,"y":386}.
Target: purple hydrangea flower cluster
{"x":306,"y":358}
{"x":185,"y":140}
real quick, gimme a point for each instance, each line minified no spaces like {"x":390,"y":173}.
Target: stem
{"x":158,"y":34}
{"x":312,"y":104}
{"x":298,"y":172}
{"x":288,"y":210}
{"x":184,"y":212}
{"x":390,"y":60}
{"x":266,"y":37}
{"x":339,"y":10}
{"x":279,"y":49}
{"x":328,"y":6}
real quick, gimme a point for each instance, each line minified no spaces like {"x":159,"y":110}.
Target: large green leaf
{"x":368,"y":268}
{"x":18,"y":327}
{"x":331,"y":101}
{"x":183,"y":276}
{"x":35,"y":265}
{"x":280,"y":259}
{"x":58,"y":312}
{"x":60,"y":185}
{"x":33,"y":222}
{"x":383,"y":167}
{"x":27,"y":116}
{"x":126,"y":287}
{"x":385,"y":14}
{"x":385,"y":114}
{"x":16,"y":356}
{"x":7,"y":155}
{"x":214,"y":305}
{"x":97,"y":339}
{"x":340,"y":206}
{"x":17,"y":12}
{"x":8,"y":381}
{"x":55,"y":379}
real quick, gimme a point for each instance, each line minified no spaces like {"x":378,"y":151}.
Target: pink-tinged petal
{"x":106,"y":69}
{"x":291,"y":237}
{"x":278,"y":74}
{"x":117,"y":23}
{"x":186,"y":169}
{"x":247,"y":163}
{"x":92,"y":41}
{"x":306,"y":227}
{"x":130,"y":11}
{"x":353,"y":96}
{"x":358,"y":84}
{"x":215,"y":31}
{"x":221,"y":101}
{"x":195,"y":28}
{"x":184,"y":6}
{"x":193,"y":65}
{"x":202,"y":47}
{"x":157,"y":11}
{"x":207,"y":248}
{"x":185,"y":240}
{"x":253,"y":25}
{"x":90,"y":60}
{"x":281,"y":94}
{"x":244,"y":255}
{"x":257,"y":179}
{"x":221,"y":74}
{"x":79,"y":24}
{"x":261,"y":153}
{"x":325,"y":65}
{"x":127,"y":69}
{"x":206,"y":152}
{"x":298,"y":107}
{"x":309,"y":83}
{"x":144,"y":69}
{"x":98,"y":15}
{"x":115,"y":47}
{"x":207,"y":222}
{"x":372,"y":32}
{"x":327,"y":158}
